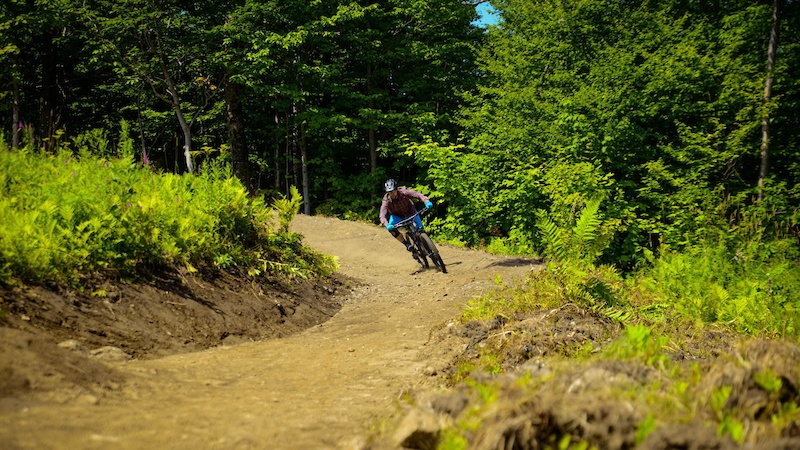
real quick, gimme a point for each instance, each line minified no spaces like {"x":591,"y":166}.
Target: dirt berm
{"x":192,"y":362}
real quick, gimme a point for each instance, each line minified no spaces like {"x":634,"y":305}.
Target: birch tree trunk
{"x":187,"y":132}
{"x":174,"y":99}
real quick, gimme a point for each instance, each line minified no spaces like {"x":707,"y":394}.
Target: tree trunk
{"x":373,"y":145}
{"x":277,"y":183}
{"x":187,"y":138}
{"x":773,"y":44}
{"x":15,"y":124}
{"x":292,"y":155}
{"x":304,"y":170}
{"x":145,"y":158}
{"x":373,"y":150}
{"x":49,"y":89}
{"x":187,"y":132}
{"x":240,"y":154}
{"x":174,"y":99}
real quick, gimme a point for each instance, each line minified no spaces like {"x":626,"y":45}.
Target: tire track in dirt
{"x":317,"y":389}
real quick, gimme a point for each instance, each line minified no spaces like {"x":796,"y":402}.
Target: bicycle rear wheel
{"x":432,"y":252}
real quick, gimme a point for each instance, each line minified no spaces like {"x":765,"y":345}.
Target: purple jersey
{"x":401,"y":206}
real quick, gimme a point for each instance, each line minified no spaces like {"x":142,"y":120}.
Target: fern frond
{"x":619,"y":315}
{"x":585,"y":231}
{"x":555,"y":239}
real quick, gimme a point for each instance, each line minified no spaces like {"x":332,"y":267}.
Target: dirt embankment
{"x":192,"y":362}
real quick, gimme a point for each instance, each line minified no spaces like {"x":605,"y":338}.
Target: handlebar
{"x":407,"y":221}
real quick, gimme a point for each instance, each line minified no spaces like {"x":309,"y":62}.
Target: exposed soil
{"x":370,"y":359}
{"x":192,"y":362}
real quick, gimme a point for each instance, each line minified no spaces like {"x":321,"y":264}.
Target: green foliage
{"x":125,"y":147}
{"x":580,"y":241}
{"x":742,"y":272}
{"x":601,"y":289}
{"x":490,"y":363}
{"x":64,"y":218}
{"x":517,"y":243}
{"x":654,"y":108}
{"x":451,"y":440}
{"x":644,"y":428}
{"x":287,"y":208}
{"x":352,"y":197}
{"x":639,"y":343}
{"x":788,"y":414}
{"x":463,"y":369}
{"x":767,"y":380}
{"x":489,"y":200}
{"x":96,"y":140}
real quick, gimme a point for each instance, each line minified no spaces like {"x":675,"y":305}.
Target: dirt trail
{"x":316,"y":389}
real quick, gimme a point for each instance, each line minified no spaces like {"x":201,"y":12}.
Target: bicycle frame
{"x":409,"y":229}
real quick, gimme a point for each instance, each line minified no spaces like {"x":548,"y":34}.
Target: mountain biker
{"x":397,"y":205}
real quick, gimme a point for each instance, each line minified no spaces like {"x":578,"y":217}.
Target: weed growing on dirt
{"x":710,"y":284}
{"x":639,"y":343}
{"x":599,"y":288}
{"x":627,"y":392}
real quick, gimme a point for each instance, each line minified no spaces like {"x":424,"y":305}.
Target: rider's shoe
{"x":415,"y":255}
{"x":409,"y":247}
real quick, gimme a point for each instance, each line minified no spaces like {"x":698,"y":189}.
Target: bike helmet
{"x":390,"y":185}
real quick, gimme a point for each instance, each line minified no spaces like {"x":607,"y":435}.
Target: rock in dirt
{"x":419,"y":429}
{"x":74,"y":346}
{"x":109,"y":353}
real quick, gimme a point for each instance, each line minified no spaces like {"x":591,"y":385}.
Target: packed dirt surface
{"x":191,"y":362}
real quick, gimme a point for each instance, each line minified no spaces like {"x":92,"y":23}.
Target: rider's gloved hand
{"x":390,"y":227}
{"x":429,"y":205}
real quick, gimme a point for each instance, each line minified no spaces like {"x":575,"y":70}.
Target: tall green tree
{"x":40,"y":47}
{"x":340,"y":82}
{"x":162,"y":45}
{"x":658,"y":103}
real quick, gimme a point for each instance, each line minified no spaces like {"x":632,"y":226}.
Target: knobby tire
{"x":433,"y":252}
{"x":423,"y":261}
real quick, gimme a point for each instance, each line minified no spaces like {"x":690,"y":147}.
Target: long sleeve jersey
{"x":401,"y":206}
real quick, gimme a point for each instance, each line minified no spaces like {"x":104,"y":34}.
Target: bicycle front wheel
{"x":419,"y":253}
{"x":432,"y":252}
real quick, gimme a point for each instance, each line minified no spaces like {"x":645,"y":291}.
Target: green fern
{"x":581,"y":242}
{"x":554,"y":238}
{"x":586,"y":233}
{"x":614,"y":313}
{"x":63,"y":216}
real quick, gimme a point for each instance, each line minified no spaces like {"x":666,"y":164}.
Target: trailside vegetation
{"x":70,"y":215}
